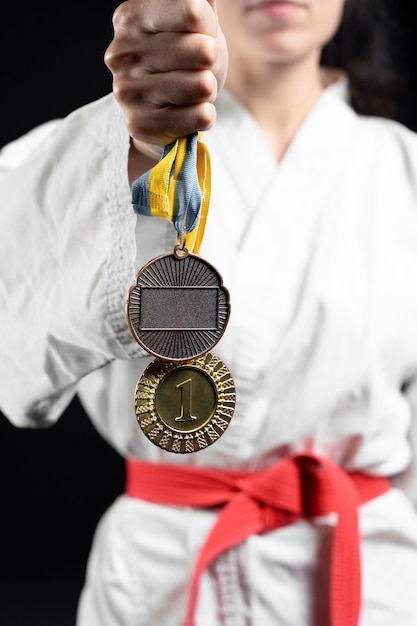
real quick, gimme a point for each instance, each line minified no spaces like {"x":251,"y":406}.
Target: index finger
{"x":154,"y":16}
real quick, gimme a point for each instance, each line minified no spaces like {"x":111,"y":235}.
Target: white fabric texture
{"x":319,"y":253}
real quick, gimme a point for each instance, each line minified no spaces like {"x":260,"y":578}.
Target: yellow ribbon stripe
{"x":178,"y":189}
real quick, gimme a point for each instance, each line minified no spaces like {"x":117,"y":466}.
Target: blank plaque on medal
{"x":179,"y":308}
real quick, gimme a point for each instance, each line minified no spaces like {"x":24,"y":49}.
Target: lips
{"x":254,"y":5}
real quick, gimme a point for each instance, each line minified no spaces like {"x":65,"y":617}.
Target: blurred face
{"x":278,"y":31}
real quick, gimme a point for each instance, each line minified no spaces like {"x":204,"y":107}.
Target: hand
{"x":169,"y":60}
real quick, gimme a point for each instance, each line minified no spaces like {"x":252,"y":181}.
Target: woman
{"x":312,"y":224}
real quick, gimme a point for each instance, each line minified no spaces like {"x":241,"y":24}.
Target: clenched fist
{"x":169,"y":60}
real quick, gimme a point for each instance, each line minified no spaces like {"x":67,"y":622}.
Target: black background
{"x":51,"y":60}
{"x":56,"y":483}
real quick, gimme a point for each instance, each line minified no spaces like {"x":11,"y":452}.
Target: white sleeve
{"x":13,"y":154}
{"x":67,"y":255}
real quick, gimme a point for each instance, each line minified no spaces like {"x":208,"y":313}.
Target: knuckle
{"x":192,"y":13}
{"x":207,"y":51}
{"x":207,"y":85}
{"x":122,"y":15}
{"x":122,"y":93}
{"x":199,"y":17}
{"x":112,"y":57}
{"x":131,"y":100}
{"x":207,"y":116}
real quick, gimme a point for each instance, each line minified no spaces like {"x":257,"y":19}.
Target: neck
{"x":278,"y":96}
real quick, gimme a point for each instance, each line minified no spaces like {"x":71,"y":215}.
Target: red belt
{"x":299,"y":486}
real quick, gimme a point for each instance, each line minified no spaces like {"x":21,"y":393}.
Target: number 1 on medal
{"x":186,"y":388}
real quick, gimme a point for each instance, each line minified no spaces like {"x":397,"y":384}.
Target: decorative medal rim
{"x":170,"y":439}
{"x":179,"y":253}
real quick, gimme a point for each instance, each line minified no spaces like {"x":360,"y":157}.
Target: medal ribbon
{"x":177,"y":189}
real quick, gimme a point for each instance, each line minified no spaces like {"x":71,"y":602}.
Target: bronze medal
{"x":185,"y":407}
{"x":178,"y":309}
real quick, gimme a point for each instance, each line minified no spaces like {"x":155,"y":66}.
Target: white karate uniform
{"x":319,"y":253}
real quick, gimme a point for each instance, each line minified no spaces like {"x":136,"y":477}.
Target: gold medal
{"x":185,"y":407}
